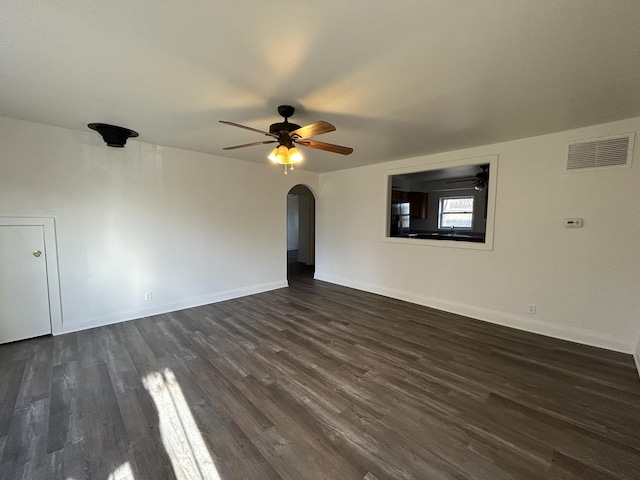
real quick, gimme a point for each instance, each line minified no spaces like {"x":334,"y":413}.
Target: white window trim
{"x":473,"y":213}
{"x":492,"y":160}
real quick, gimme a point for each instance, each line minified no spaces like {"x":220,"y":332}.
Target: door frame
{"x":51,"y":259}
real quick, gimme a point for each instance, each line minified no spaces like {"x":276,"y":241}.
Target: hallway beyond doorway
{"x":298,"y":271}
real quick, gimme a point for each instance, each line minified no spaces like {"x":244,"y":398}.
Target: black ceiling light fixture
{"x":113,"y":135}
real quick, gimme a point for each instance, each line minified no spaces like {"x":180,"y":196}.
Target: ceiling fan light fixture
{"x":286,"y":156}
{"x":273,"y":156}
{"x":294,"y":155}
{"x":283,"y":154}
{"x":280,"y":155}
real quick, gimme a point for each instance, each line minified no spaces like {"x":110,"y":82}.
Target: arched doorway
{"x":301,"y":232}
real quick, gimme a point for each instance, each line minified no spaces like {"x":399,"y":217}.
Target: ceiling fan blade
{"x":325,"y":146}
{"x":461,"y":180}
{"x":312,"y":130}
{"x":249,"y":144}
{"x":248,"y":128}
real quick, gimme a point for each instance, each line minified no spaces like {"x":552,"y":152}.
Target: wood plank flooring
{"x":315,"y":381}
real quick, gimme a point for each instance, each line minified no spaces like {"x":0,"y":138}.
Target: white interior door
{"x":24,"y":293}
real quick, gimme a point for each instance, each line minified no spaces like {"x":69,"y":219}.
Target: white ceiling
{"x":397,"y":78}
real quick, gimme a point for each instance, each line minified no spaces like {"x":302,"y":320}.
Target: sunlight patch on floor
{"x":123,"y":472}
{"x":182,"y":440}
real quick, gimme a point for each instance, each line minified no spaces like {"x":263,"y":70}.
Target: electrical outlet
{"x":532,"y":308}
{"x":148,"y":296}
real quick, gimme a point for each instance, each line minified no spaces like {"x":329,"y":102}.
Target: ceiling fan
{"x":480,"y":181}
{"x":287,"y":134}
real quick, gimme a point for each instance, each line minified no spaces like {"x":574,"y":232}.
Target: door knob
{"x":37,"y":253}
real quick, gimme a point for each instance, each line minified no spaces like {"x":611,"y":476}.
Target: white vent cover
{"x":602,"y":152}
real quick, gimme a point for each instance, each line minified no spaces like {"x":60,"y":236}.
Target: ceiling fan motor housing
{"x":280,"y":127}
{"x":286,"y":111}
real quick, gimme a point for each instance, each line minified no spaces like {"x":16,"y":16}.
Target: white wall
{"x":192,"y":228}
{"x":636,"y":356}
{"x":585,"y":282}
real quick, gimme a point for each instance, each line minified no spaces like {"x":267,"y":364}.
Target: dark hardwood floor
{"x":315,"y":381}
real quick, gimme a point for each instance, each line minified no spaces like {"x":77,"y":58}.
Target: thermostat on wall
{"x":573,"y":222}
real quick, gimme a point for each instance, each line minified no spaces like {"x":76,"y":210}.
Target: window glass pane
{"x":462,"y":204}
{"x":458,"y":220}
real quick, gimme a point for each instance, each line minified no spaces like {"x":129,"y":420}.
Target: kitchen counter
{"x":458,"y":237}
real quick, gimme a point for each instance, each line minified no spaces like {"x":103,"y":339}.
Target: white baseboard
{"x":549,"y":329}
{"x":133,"y":314}
{"x":636,"y":357}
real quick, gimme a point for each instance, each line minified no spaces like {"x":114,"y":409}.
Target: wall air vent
{"x":602,"y":152}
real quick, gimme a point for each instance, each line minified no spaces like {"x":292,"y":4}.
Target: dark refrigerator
{"x":400,"y":219}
